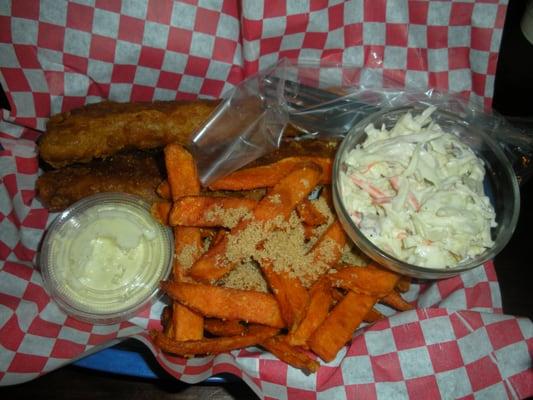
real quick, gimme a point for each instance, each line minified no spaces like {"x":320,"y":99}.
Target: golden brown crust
{"x":137,"y":174}
{"x":105,"y":130}
{"x":102,"y":129}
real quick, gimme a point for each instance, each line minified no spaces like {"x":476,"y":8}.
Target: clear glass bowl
{"x":102,"y":259}
{"x":500,"y":184}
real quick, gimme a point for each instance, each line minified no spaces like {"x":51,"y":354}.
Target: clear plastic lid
{"x":102,"y":259}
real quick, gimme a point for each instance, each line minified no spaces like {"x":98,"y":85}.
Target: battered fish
{"x":138,"y":174}
{"x":102,"y":129}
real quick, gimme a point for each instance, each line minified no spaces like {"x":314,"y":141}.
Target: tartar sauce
{"x":416,"y":192}
{"x":107,"y":259}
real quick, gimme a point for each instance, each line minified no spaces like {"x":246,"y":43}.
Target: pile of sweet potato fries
{"x":315,"y":299}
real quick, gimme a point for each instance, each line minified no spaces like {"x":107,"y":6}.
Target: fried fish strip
{"x":102,"y":129}
{"x":137,"y":174}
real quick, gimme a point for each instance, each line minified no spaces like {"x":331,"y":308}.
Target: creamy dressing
{"x":108,"y":259}
{"x":106,"y":254}
{"x":416,"y":192}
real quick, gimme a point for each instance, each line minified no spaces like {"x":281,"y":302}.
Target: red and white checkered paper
{"x":58,"y":55}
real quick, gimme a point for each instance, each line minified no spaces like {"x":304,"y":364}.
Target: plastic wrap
{"x":325,"y":101}
{"x":246,"y":125}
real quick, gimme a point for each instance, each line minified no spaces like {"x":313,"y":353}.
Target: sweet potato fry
{"x":160,"y":211}
{"x":338,"y":327}
{"x":163,"y":190}
{"x":187,"y":249}
{"x":320,"y":300}
{"x":232,"y":304}
{"x":280,"y":201}
{"x":183,"y":180}
{"x":181,"y":170}
{"x":205,"y":211}
{"x":218,"y":327}
{"x":254,"y":336}
{"x":278,"y":346}
{"x":373,"y":316}
{"x":371,"y":279}
{"x":404,"y":284}
{"x":288,"y":192}
{"x":327,"y":251}
{"x":270,"y":175}
{"x":213,"y":264}
{"x":396,"y":301}
{"x":291,"y":295}
{"x":187,"y":324}
{"x":309,"y":214}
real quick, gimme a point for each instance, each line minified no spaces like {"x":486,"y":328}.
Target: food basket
{"x":456,"y":342}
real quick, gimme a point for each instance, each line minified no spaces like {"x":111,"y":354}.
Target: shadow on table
{"x":73,"y":382}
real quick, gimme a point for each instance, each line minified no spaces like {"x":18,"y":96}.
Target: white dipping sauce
{"x":107,"y":259}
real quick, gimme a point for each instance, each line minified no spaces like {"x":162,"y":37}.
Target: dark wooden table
{"x":79,"y":383}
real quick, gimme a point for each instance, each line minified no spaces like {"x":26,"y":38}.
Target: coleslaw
{"x":417,"y":192}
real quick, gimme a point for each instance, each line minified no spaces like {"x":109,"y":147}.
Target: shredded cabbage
{"x":416,"y":192}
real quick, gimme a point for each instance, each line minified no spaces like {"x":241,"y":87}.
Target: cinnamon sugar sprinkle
{"x":283,"y":242}
{"x":322,"y":206}
{"x":245,"y":276}
{"x":187,"y":256}
{"x":229,"y":216}
{"x":275,"y":199}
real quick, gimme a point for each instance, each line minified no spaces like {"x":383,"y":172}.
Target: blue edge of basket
{"x":133,"y":363}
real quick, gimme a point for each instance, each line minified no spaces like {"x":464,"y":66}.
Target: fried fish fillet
{"x":138,"y":174}
{"x":102,"y":129}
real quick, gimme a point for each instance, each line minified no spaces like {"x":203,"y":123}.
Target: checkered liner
{"x":54,"y":57}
